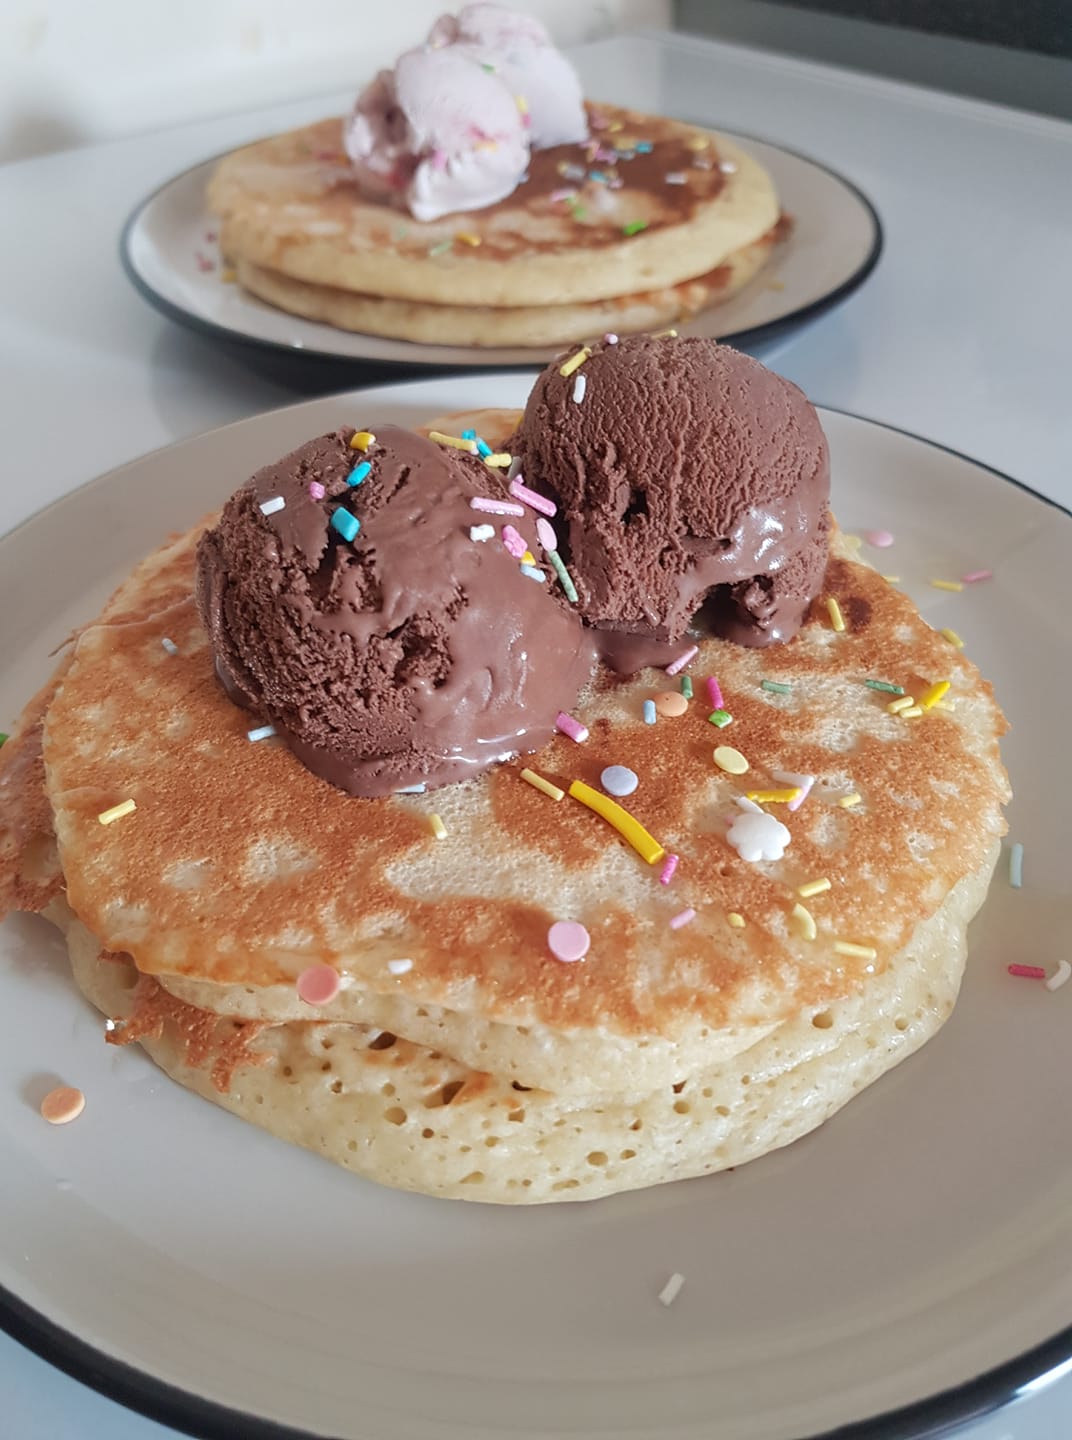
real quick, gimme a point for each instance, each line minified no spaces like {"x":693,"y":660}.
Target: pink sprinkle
{"x":545,"y":532}
{"x":881,"y":539}
{"x":204,"y":264}
{"x":318,"y":985}
{"x":610,"y":338}
{"x":495,"y":507}
{"x":975,"y":575}
{"x":573,"y":728}
{"x":1028,"y":972}
{"x":211,"y":237}
{"x":316,"y":490}
{"x":682,"y":918}
{"x":667,"y":872}
{"x":569,"y":941}
{"x":439,"y":159}
{"x":599,"y":122}
{"x":565,"y":193}
{"x":806,"y":782}
{"x":714,"y":691}
{"x":531,"y":499}
{"x":682,"y":660}
{"x":513,"y":542}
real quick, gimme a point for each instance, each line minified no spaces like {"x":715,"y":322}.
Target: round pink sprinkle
{"x":318,"y":985}
{"x":568,"y":941}
{"x":881,"y":539}
{"x":546,"y":533}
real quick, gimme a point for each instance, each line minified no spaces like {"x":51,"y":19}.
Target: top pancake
{"x":239,"y":868}
{"x":290,"y":204}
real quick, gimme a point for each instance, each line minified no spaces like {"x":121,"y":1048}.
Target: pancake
{"x":289,"y":205}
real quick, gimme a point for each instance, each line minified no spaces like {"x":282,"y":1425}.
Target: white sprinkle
{"x":579,"y":387}
{"x":481,"y":532}
{"x":533,"y":573}
{"x":676,"y":666}
{"x":1016,"y":866}
{"x":802,"y":782}
{"x":675,"y":177}
{"x":262,"y":732}
{"x":514,"y":468}
{"x":610,"y":338}
{"x":399,"y":967}
{"x":412,"y":790}
{"x":109,"y":1026}
{"x":271,"y":506}
{"x":672,"y":1289}
{"x":1059,"y":976}
{"x":170,"y":646}
{"x":728,"y":167}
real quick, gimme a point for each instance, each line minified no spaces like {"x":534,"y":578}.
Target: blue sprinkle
{"x":483,"y":449}
{"x":597,"y":175}
{"x":417,"y":789}
{"x":466,"y":435}
{"x":1016,"y":866}
{"x":346,"y":524}
{"x":358,"y":473}
{"x":643,"y":147}
{"x":649,"y":712}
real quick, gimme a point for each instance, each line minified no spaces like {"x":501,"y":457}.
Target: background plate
{"x":908,"y":1254}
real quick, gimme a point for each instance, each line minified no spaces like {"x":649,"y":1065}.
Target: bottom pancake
{"x":413,"y":1118}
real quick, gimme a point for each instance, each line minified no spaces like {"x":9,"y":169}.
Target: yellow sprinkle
{"x":439,"y":830}
{"x":499,"y":461}
{"x":861,"y":952}
{"x":804,"y":924}
{"x":848,"y":801}
{"x":737,"y":921}
{"x":528,"y":558}
{"x":125,"y":807}
{"x":697,"y":142}
{"x":853,"y":541}
{"x":467,"y":237}
{"x":774,"y":797}
{"x":575,"y":361}
{"x":813,"y":887}
{"x":837,"y":620}
{"x":892,"y":579}
{"x":661,"y":334}
{"x":931,"y":696}
{"x":539,"y":783}
{"x":362,"y":440}
{"x":454,"y":441}
{"x":228,"y":276}
{"x":522,"y":104}
{"x":901,"y":703}
{"x":912,"y":713}
{"x":947,"y":585}
{"x":949,"y":705}
{"x":730,"y":760}
{"x":952,"y":637}
{"x":629,"y":828}
{"x":615,"y":126}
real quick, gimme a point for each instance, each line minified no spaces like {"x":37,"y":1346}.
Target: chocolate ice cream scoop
{"x":687,"y":475}
{"x":386,"y":646}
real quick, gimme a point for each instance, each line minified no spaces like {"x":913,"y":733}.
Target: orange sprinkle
{"x":63,"y":1104}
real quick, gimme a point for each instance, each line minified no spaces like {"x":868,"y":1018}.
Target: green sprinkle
{"x":776,"y":687}
{"x":563,"y":574}
{"x":686,"y":686}
{"x":634,"y":227}
{"x":885,"y":687}
{"x":721,"y":718}
{"x":4,"y":738}
{"x":442,"y":247}
{"x":489,"y":68}
{"x":577,"y":211}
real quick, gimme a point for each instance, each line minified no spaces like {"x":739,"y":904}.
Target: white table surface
{"x":963,"y":335}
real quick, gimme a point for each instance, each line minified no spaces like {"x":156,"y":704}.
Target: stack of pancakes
{"x":563,"y":257}
{"x":460,"y":1058}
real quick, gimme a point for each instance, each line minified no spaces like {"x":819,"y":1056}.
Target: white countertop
{"x":963,"y":335}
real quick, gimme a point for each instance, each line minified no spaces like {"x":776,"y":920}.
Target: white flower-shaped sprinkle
{"x":755,"y":835}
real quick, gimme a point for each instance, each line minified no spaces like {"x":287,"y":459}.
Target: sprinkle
{"x":974,"y":576}
{"x":488,"y":506}
{"x":774,"y":797}
{"x":564,"y":577}
{"x":610,"y":338}
{"x":568,"y":941}
{"x":697,"y":142}
{"x":757,"y":835}
{"x":630,"y":829}
{"x":1028,"y":972}
{"x":859,"y":952}
{"x":952,"y":636}
{"x":539,"y":783}
{"x":454,"y":441}
{"x":270,"y":507}
{"x":848,"y":801}
{"x":574,"y":362}
{"x":933,"y":694}
{"x":676,"y":177}
{"x":721,"y":718}
{"x":892,"y":579}
{"x":169,"y":646}
{"x":672,"y":1289}
{"x":837,"y":620}
{"x":896,"y":706}
{"x":565,"y":193}
{"x":531,"y":499}
{"x":579,"y":387}
{"x":949,"y":705}
{"x":228,"y":275}
{"x":125,"y":807}
{"x":412,"y":789}
{"x":670,"y":703}
{"x":714,"y":691}
{"x":362,"y":439}
{"x":776,"y":687}
{"x":545,"y":533}
{"x":441,"y":248}
{"x":483,"y":449}
{"x":532,"y":573}
{"x":634,"y":227}
{"x":438,"y":829}
{"x":318,"y":985}
{"x":683,"y":917}
{"x":886,"y":686}
{"x":947,"y":584}
{"x":644,"y":147}
{"x":913,"y":712}
{"x":802,"y":782}
{"x":262,"y":732}
{"x":736,"y":920}
{"x":666,"y":874}
{"x":467,"y":237}
{"x":730,"y":760}
{"x":344,"y":523}
{"x":649,"y":712}
{"x":62,"y":1105}
{"x":514,"y":469}
{"x":804,"y":924}
{"x":686,"y":686}
{"x":513,"y":542}
{"x":663,"y":334}
{"x":881,"y":539}
{"x":400,"y":967}
{"x":1016,"y":866}
{"x":480,"y":533}
{"x":570,"y":727}
{"x":1059,"y":976}
{"x":597,"y":176}
{"x":316,"y":490}
{"x":358,"y":473}
{"x":619,"y":780}
{"x":813,"y":887}
{"x":499,"y":461}
{"x":728,"y":167}
{"x":686,"y":656}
